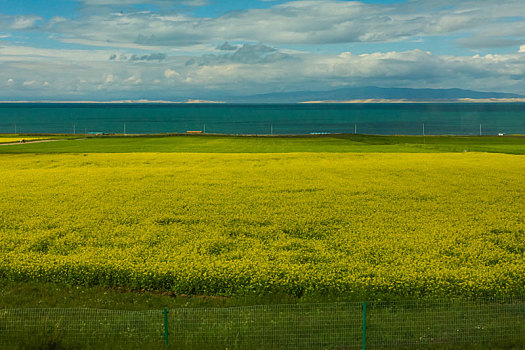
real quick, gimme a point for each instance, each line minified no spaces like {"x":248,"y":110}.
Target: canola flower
{"x":19,"y":138}
{"x":230,"y":224}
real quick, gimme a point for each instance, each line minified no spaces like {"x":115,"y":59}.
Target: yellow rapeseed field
{"x":18,"y":139}
{"x":226,"y":224}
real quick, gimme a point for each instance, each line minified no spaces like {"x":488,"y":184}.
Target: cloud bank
{"x":252,"y":69}
{"x":486,"y":23}
{"x":164,"y":52}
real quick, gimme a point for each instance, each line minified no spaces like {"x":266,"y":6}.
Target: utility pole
{"x":204,"y":129}
{"x":423,"y":129}
{"x":271,"y":129}
{"x":355,"y":128}
{"x":124,"y":128}
{"x":74,"y":129}
{"x":479,"y":129}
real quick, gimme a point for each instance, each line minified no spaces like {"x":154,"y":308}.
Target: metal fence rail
{"x":389,"y":325}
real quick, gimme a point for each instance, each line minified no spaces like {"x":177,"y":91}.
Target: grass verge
{"x":276,"y":144}
{"x":214,"y":323}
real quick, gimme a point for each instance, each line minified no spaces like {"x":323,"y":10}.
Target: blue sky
{"x":205,"y":49}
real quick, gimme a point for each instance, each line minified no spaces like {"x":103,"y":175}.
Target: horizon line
{"x":352,"y":101}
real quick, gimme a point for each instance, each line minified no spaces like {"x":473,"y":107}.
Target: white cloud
{"x":112,"y":2}
{"x":226,"y":47}
{"x":300,"y":22}
{"x":27,"y":53}
{"x":136,"y":2}
{"x":25,"y":22}
{"x":138,"y":58}
{"x":134,"y":79}
{"x":413,"y":68}
{"x":315,"y":22}
{"x":105,"y":43}
{"x":110,"y":78}
{"x":57,"y":19}
{"x":247,"y":54}
{"x":170,"y":73}
{"x":161,"y":55}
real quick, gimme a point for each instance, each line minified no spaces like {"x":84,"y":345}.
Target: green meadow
{"x":274,"y":144}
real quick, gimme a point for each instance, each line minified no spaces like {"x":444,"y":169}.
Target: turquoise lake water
{"x":386,"y":119}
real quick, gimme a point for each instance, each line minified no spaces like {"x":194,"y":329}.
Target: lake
{"x":384,"y":118}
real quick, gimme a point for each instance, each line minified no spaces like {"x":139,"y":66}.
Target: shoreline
{"x":350,"y":101}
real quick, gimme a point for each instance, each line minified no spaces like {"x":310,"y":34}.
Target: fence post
{"x":364,"y":325}
{"x":166,"y":333}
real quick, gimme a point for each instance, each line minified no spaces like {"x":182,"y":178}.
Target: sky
{"x":207,"y":49}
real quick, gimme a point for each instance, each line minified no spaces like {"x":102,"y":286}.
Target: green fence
{"x":379,"y":325}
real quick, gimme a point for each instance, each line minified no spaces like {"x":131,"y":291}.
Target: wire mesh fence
{"x":299,"y":326}
{"x":456,"y":322}
{"x":251,"y":127}
{"x":74,"y":328}
{"x":384,"y":325}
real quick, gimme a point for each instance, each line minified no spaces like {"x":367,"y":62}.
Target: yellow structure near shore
{"x":227,"y":224}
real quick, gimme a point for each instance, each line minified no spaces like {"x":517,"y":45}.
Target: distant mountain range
{"x":370,"y":93}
